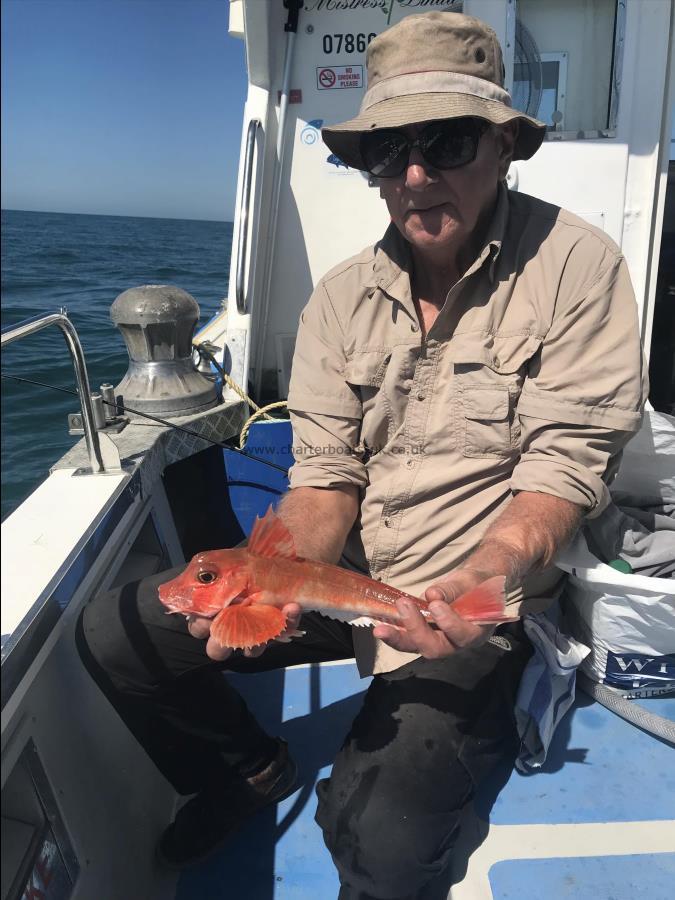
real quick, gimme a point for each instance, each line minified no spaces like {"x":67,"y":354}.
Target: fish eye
{"x":206,"y":577}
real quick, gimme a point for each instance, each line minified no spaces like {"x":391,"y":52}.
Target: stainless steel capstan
{"x":157,"y":322}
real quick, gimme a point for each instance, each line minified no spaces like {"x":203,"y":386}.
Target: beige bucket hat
{"x":438,"y":65}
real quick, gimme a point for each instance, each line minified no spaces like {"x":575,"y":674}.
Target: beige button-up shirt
{"x":531,"y":379}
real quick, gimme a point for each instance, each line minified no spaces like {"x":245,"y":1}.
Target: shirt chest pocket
{"x":365,"y":373}
{"x":488,"y":378}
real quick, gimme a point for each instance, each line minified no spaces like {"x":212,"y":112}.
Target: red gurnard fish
{"x":245,"y":588}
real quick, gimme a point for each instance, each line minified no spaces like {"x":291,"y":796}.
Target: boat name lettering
{"x":437,"y":4}
{"x":341,"y":5}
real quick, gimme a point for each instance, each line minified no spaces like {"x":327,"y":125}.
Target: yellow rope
{"x":238,"y":390}
{"x":257,"y":415}
{"x":260,"y":412}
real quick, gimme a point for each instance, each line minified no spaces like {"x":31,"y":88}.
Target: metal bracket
{"x":76,"y":425}
{"x":110,"y":453}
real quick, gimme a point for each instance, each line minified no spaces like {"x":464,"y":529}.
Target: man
{"x":459,"y":392}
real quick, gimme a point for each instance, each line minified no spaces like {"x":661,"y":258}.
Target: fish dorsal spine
{"x":270,"y":538}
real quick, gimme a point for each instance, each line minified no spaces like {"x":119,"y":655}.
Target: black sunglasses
{"x":447,"y":144}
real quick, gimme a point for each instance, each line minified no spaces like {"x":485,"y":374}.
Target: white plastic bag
{"x":628,"y":620}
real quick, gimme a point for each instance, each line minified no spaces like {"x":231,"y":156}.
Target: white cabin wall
{"x":666,"y":154}
{"x":641,"y":127}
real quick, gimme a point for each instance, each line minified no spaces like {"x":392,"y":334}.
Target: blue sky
{"x":121,"y":107}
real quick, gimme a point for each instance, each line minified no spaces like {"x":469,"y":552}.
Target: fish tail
{"x":485,"y":603}
{"x":243,"y":626}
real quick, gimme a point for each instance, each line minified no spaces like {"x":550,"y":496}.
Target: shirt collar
{"x":391,"y":266}
{"x":497,"y":230}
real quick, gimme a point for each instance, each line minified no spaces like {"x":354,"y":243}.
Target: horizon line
{"x":59,"y":212}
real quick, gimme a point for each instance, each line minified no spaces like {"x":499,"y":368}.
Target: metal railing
{"x":60,"y":319}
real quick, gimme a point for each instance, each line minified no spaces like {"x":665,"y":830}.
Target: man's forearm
{"x":320,"y":519}
{"x":526,"y":537}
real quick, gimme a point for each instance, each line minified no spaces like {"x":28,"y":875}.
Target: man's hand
{"x":525,"y":538}
{"x":453,"y":633}
{"x":200,"y":627}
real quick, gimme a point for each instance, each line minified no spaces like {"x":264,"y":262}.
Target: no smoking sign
{"x":327,"y":79}
{"x":330,"y":78}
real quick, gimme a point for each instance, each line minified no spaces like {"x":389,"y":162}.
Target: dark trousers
{"x":426,"y":735}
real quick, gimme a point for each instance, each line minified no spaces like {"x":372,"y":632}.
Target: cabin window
{"x":567,"y":65}
{"x":552,"y":95}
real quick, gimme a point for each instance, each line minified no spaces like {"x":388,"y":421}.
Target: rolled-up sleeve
{"x":325,"y":411}
{"x":585,"y":391}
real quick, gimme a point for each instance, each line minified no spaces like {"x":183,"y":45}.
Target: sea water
{"x":82,"y":263}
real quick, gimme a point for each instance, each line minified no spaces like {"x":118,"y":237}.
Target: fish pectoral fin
{"x":243,"y":626}
{"x":270,"y":538}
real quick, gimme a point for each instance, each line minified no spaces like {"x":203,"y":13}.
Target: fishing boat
{"x":82,"y":806}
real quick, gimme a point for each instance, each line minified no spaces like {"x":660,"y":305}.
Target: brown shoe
{"x":207,"y":820}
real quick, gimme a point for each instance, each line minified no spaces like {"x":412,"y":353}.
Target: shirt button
{"x":409,"y":463}
{"x":420,"y":397}
{"x":414,"y":327}
{"x":387,"y":523}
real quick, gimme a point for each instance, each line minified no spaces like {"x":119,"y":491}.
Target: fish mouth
{"x":176,"y":607}
{"x":175,"y":597}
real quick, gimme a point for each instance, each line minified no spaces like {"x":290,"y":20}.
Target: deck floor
{"x":600,"y":770}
